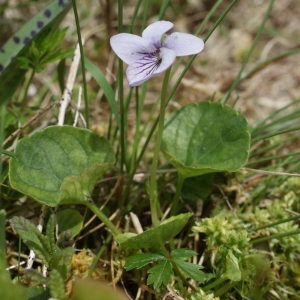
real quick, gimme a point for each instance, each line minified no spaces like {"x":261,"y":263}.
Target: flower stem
{"x":103,"y":218}
{"x":153,"y":185}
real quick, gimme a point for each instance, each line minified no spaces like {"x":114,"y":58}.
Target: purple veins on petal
{"x":144,"y":68}
{"x":33,"y":33}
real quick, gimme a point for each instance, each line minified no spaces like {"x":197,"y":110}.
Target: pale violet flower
{"x":153,"y":52}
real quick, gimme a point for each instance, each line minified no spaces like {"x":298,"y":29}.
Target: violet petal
{"x":130,"y":47}
{"x":183,"y":43}
{"x":142,"y":69}
{"x":154,"y":32}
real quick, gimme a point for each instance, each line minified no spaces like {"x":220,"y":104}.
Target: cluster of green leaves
{"x":238,"y":247}
{"x":162,"y":271}
{"x":45,"y":50}
{"x":56,"y":259}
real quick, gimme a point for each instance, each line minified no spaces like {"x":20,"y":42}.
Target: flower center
{"x":157,"y":55}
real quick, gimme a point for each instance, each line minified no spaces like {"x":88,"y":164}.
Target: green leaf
{"x":198,"y":187}
{"x":69,"y":219}
{"x":60,"y":164}
{"x":206,"y":137}
{"x":50,"y":232}
{"x":191,"y":270}
{"x":57,"y":286}
{"x":11,"y":74}
{"x":105,"y":86}
{"x":159,"y":274}
{"x":232,"y":267}
{"x":141,"y":260}
{"x":38,"y":293}
{"x":33,"y":238}
{"x":154,"y":236}
{"x":78,"y":190}
{"x":36,"y":276}
{"x":46,"y":52}
{"x":61,"y":261}
{"x":55,"y":258}
{"x":183,"y":253}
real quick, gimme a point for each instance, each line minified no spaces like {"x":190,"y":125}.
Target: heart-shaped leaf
{"x":206,"y":137}
{"x":69,"y":219}
{"x":60,"y":164}
{"x":198,"y":187}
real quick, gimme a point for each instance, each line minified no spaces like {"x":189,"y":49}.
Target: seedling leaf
{"x":141,"y":260}
{"x":183,"y":253}
{"x":57,"y":286}
{"x":159,"y":274}
{"x":33,"y":238}
{"x":61,"y":261}
{"x":191,"y":270}
{"x":50,"y":232}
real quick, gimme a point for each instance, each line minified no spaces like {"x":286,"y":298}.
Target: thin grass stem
{"x":259,"y":125}
{"x":275,"y":133}
{"x":276,"y":145}
{"x":237,"y":79}
{"x":153,"y":183}
{"x":272,"y":58}
{"x":121,"y":91}
{"x":92,"y":206}
{"x":86,"y":109}
{"x":163,"y":8}
{"x":136,"y":9}
{"x":180,"y":182}
{"x":277,"y":223}
{"x":272,"y":157}
{"x":275,"y":236}
{"x":8,"y":153}
{"x":145,"y":14}
{"x":99,"y":254}
{"x":24,"y":98}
